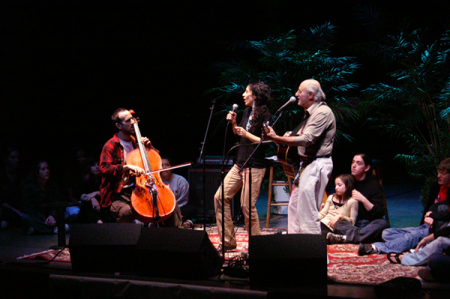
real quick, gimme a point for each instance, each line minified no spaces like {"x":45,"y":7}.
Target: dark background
{"x":66,"y":65}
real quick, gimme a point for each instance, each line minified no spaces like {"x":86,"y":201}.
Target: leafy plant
{"x":283,"y":62}
{"x":413,"y":106}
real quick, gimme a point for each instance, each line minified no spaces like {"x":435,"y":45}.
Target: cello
{"x":151,"y":199}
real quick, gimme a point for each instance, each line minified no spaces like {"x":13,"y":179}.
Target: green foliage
{"x":283,"y":62}
{"x":414,"y":105}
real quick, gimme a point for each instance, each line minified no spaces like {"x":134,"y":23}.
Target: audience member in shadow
{"x":398,"y":240}
{"x":339,"y":206}
{"x":369,"y":194}
{"x":39,"y":216}
{"x":180,"y":188}
{"x":77,"y":172}
{"x":11,"y":183}
{"x":88,"y":194}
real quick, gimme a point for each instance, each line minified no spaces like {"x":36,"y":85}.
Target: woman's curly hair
{"x":262,"y":101}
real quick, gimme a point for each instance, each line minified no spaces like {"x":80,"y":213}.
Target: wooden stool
{"x":270,"y":194}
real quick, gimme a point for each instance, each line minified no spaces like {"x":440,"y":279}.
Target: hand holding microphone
{"x":232,"y":115}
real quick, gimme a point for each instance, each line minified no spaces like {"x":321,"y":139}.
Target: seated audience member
{"x":38,"y":215}
{"x":88,"y":194}
{"x":77,"y":173}
{"x":11,"y":183}
{"x":369,"y":194}
{"x":339,"y":206}
{"x":438,"y":267}
{"x":398,"y":240}
{"x":180,"y":188}
{"x":435,"y":243}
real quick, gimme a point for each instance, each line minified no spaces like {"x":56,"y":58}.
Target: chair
{"x":270,"y":194}
{"x":283,"y":203}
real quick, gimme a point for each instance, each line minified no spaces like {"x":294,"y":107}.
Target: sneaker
{"x":366,"y":249}
{"x":335,"y":238}
{"x":227,"y":248}
{"x":188,"y":224}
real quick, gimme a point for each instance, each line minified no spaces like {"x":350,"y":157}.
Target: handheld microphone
{"x":291,"y":100}
{"x":235,"y":106}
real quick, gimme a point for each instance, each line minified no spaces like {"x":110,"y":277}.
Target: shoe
{"x":227,"y":248}
{"x":188,"y":224}
{"x":394,"y":258}
{"x":30,"y":231}
{"x":425,"y":274}
{"x":366,"y":249}
{"x":335,"y":239}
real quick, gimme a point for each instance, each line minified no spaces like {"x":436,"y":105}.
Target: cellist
{"x":117,"y":175}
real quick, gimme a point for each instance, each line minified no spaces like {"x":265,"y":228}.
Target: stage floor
{"x":58,"y":280}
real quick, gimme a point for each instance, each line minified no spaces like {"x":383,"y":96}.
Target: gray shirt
{"x":180,"y":188}
{"x":316,"y":138}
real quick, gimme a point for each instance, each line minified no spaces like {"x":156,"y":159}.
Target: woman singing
{"x":256,"y":97}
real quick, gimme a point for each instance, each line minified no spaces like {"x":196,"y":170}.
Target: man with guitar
{"x":117,"y":175}
{"x":314,"y":141}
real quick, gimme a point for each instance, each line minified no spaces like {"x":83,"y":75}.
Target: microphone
{"x":291,"y":100}
{"x":235,"y":106}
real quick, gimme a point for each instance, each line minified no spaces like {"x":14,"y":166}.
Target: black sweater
{"x":372,"y":190}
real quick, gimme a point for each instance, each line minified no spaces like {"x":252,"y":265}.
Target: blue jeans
{"x":421,"y":257}
{"x":364,"y":231}
{"x":401,"y":239}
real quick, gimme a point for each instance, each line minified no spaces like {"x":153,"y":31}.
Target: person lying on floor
{"x":398,"y":240}
{"x":435,"y":243}
{"x":339,"y":206}
{"x":438,"y":267}
{"x":369,"y":194}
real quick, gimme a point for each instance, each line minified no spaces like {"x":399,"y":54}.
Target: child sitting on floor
{"x":339,"y":206}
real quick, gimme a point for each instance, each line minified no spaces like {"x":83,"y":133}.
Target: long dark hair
{"x":367,"y":160}
{"x":263,"y":99}
{"x":349,"y":182}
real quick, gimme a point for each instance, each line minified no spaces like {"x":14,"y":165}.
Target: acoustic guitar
{"x":287,"y":155}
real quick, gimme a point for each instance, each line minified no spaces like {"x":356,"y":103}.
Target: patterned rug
{"x":345,"y":265}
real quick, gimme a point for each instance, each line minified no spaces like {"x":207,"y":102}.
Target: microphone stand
{"x":204,"y":164}
{"x":223,"y":188}
{"x":250,"y":182}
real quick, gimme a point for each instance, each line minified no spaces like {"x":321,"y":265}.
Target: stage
{"x":21,"y":278}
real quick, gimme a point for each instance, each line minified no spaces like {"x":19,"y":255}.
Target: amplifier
{"x":216,"y":161}
{"x":208,"y":185}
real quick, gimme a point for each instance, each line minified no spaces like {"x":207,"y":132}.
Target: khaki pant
{"x":232,"y":183}
{"x":122,"y":211}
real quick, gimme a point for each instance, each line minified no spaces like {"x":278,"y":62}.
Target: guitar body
{"x":288,"y":156}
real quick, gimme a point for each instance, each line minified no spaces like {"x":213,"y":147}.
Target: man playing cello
{"x":116,"y":187}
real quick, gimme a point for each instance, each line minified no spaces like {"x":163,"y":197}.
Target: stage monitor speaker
{"x":177,"y":253}
{"x":293,"y":259}
{"x":107,"y":247}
